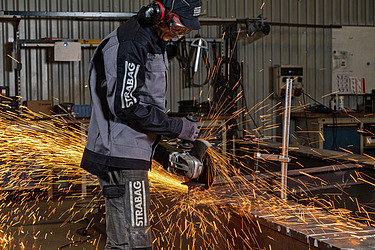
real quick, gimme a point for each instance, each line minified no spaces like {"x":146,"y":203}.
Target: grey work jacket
{"x":128,"y":83}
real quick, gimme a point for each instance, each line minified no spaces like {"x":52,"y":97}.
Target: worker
{"x":128,"y":82}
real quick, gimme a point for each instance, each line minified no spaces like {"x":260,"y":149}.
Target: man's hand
{"x":190,"y":129}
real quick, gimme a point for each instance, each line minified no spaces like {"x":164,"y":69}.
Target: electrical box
{"x":282,"y":73}
{"x":67,"y":51}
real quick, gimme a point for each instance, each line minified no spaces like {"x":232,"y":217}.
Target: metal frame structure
{"x":286,"y":132}
{"x":284,"y":157}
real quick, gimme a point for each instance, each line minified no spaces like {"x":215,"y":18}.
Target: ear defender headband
{"x":154,"y":13}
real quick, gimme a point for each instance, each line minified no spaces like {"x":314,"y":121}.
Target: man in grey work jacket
{"x":128,"y":82}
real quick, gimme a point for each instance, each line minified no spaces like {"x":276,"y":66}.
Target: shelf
{"x":50,"y":43}
{"x":360,"y":94}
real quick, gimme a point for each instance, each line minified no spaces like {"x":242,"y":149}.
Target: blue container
{"x":342,"y":136}
{"x":81,"y":111}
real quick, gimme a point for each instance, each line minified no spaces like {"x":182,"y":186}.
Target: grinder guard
{"x":192,"y":164}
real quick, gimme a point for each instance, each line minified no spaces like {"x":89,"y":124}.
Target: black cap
{"x":187,"y":10}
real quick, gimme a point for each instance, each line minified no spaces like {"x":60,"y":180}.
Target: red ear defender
{"x":153,"y":13}
{"x":162,"y":10}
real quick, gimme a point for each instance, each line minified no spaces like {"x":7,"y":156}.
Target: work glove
{"x":190,"y":129}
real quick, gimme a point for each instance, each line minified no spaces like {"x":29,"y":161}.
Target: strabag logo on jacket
{"x":129,"y":85}
{"x":197,"y":11}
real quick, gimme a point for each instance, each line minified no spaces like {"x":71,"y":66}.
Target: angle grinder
{"x":187,"y":159}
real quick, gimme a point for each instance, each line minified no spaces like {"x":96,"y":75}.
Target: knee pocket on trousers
{"x":113,"y":191}
{"x":116,"y":217}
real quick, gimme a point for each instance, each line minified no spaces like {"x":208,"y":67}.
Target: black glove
{"x":190,"y":130}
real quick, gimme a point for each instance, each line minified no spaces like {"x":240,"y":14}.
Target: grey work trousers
{"x":127,"y":202}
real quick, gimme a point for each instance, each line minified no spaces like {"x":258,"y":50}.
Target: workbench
{"x":285,"y":224}
{"x":335,"y":131}
{"x":277,"y":224}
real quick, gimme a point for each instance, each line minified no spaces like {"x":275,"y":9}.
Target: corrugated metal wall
{"x":42,"y":78}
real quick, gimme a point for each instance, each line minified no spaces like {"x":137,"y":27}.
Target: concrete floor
{"x":50,"y":224}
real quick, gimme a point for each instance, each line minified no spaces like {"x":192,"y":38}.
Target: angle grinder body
{"x":191,"y":164}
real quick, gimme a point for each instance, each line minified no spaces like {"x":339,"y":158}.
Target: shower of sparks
{"x":44,"y":154}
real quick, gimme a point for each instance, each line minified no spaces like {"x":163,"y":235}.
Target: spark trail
{"x":36,"y":154}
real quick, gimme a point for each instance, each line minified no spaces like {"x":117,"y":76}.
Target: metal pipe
{"x":198,"y":56}
{"x":17,"y":66}
{"x":55,"y":14}
{"x":286,"y":132}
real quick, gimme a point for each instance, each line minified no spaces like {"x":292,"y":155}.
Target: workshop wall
{"x":42,"y":78}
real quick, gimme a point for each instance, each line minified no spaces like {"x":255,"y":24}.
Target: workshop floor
{"x":39,"y":223}
{"x":53,"y":224}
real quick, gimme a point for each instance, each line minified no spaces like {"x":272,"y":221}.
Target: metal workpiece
{"x":303,"y":152}
{"x":283,"y":224}
{"x":271,"y":157}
